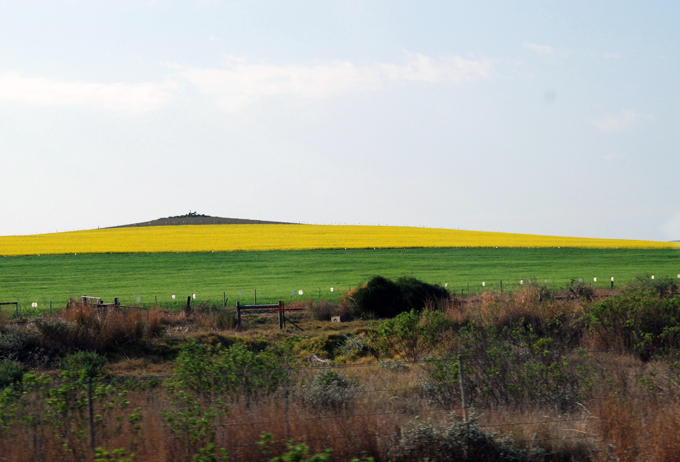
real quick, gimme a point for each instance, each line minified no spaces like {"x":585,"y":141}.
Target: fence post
{"x":50,"y":308}
{"x":461,"y":377}
{"x":224,"y":298}
{"x":255,"y":296}
{"x":287,"y":389}
{"x":280,"y":315}
{"x":238,"y":314}
{"x":90,"y":411}
{"x":16,"y":306}
{"x":501,"y":286}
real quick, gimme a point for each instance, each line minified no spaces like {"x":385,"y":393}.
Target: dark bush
{"x":383,"y":298}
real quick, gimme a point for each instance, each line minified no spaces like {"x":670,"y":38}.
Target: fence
{"x":221,"y":298}
{"x":356,"y":409}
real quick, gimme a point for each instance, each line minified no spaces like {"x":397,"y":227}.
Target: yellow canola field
{"x":219,"y":238}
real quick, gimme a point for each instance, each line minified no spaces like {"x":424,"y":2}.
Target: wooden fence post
{"x":238,"y":315}
{"x":280,"y":314}
{"x":90,"y":415}
{"x":461,"y":377}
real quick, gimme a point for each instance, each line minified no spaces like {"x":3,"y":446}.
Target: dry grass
{"x":628,"y":408}
{"x":625,"y":418}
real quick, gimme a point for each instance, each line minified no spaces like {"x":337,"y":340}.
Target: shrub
{"x":411,"y":335}
{"x":459,"y":441}
{"x":206,"y":369}
{"x":663,"y":286}
{"x":580,"y":290}
{"x":330,"y":390}
{"x":324,"y":310}
{"x":83,"y":365}
{"x":639,"y":320}
{"x":215,"y":318}
{"x":296,"y":452}
{"x":11,"y":373}
{"x":354,"y":346}
{"x":383,"y":298}
{"x":17,"y":342}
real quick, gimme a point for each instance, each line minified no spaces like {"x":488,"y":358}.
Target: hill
{"x":217,"y":238}
{"x":193,"y":218}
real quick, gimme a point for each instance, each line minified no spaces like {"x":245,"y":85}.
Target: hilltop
{"x":194,"y":218}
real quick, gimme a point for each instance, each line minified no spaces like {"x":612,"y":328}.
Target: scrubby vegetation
{"x":548,"y":375}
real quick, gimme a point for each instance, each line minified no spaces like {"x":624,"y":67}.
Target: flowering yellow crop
{"x":206,"y":238}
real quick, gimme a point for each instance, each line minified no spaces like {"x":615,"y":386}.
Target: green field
{"x":275,"y":274}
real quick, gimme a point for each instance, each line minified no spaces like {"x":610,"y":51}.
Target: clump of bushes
{"x":640,"y":320}
{"x":383,"y":298}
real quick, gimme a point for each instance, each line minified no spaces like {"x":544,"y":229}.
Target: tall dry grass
{"x":87,"y":327}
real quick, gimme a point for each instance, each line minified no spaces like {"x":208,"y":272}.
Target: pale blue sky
{"x":536,"y":117}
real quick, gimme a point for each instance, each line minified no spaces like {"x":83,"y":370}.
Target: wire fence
{"x":305,"y":293}
{"x":325,"y":403}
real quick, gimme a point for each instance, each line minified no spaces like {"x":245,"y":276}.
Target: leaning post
{"x":461,"y":377}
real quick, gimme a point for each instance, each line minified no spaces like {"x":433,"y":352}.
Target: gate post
{"x":238,"y":315}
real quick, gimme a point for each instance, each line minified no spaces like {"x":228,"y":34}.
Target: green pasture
{"x":276,"y":274}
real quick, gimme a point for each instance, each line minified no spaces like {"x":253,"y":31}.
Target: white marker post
{"x":173,"y":297}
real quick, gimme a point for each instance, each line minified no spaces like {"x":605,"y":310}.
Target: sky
{"x":542,"y":117}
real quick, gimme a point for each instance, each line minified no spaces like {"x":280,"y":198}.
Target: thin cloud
{"x":243,"y":82}
{"x":124,"y":97}
{"x":625,"y":120}
{"x":540,"y":49}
